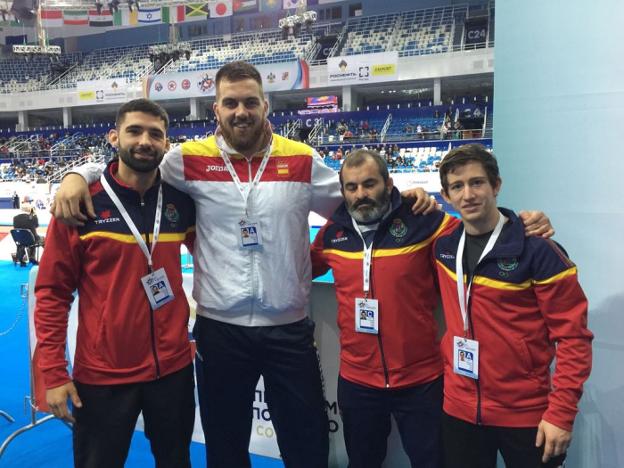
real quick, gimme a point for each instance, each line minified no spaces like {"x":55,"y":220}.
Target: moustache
{"x":363,"y":202}
{"x":244,"y":122}
{"x":145,"y":152}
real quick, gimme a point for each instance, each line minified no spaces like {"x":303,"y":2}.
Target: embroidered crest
{"x":171,"y":213}
{"x":398,"y":229}
{"x":508,"y":264}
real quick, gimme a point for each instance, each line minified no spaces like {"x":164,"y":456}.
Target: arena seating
{"x":126,"y":63}
{"x":426,"y":31}
{"x":369,"y":34}
{"x":258,"y":48}
{"x":21,"y":74}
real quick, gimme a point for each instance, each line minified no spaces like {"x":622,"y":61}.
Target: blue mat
{"x":49,"y":445}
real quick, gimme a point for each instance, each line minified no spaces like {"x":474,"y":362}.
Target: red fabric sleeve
{"x":319,"y":264}
{"x":564,"y":307}
{"x":57,"y":279}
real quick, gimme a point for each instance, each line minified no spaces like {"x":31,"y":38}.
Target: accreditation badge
{"x":466,"y":357}
{"x":366,"y":315}
{"x":157,"y":288}
{"x":249,"y":234}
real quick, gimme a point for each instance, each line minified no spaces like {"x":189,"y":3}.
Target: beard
{"x":369,"y":210}
{"x":142,"y":164}
{"x":245,"y":139}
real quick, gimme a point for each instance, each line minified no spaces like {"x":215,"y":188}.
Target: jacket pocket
{"x":525,"y":358}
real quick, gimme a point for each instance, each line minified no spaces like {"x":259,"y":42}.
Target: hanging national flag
{"x":75,"y":17}
{"x":102,"y":19}
{"x":244,"y":6}
{"x":270,"y":5}
{"x":149,"y":15}
{"x":124,"y":17}
{"x":220,"y":9}
{"x":197,"y":9}
{"x":173,"y":14}
{"x":52,"y":18}
{"x":294,"y":4}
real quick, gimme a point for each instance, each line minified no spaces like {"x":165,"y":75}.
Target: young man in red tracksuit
{"x":512,"y":304}
{"x":132,"y":350}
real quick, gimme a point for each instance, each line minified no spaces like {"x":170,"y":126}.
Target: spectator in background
{"x":338,"y":155}
{"x":458,"y":127}
{"x":28,"y":220}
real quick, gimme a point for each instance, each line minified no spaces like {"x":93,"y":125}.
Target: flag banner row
{"x":146,"y":15}
{"x":58,"y":18}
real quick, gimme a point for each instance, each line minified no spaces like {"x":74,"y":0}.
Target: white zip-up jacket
{"x":269,"y":285}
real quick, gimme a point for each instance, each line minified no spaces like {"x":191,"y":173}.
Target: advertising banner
{"x":366,"y":68}
{"x":275,"y":77}
{"x":102,"y":91}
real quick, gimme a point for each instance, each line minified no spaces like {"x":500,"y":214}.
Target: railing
{"x":339,"y":42}
{"x":314,"y":133}
{"x":485,"y":122}
{"x":384,"y":130}
{"x":292,"y":127}
{"x":57,"y":176}
{"x":58,"y":79}
{"x":322,"y":140}
{"x":312,"y":51}
{"x":59,"y":147}
{"x":22,"y":144}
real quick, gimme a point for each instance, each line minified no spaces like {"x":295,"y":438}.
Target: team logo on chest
{"x":397,"y":229}
{"x":506,"y":265}
{"x":106,"y":217}
{"x":171,"y":213}
{"x":339,"y":237}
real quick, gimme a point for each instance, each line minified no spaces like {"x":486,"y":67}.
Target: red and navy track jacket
{"x":120,"y":339}
{"x":526,"y":307}
{"x":406,"y":350}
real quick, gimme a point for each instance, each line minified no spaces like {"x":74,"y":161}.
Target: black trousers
{"x":366,"y":422}
{"x":105,"y":423}
{"x":468,"y":445}
{"x":229,"y":362}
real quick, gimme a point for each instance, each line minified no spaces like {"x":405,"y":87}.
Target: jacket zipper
{"x":152,"y":324}
{"x":379,"y":340}
{"x":474,"y":337}
{"x":383,"y":360}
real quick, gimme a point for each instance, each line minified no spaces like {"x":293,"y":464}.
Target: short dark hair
{"x":469,"y":153}
{"x":237,"y":71}
{"x":142,"y":105}
{"x":358,"y":157}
